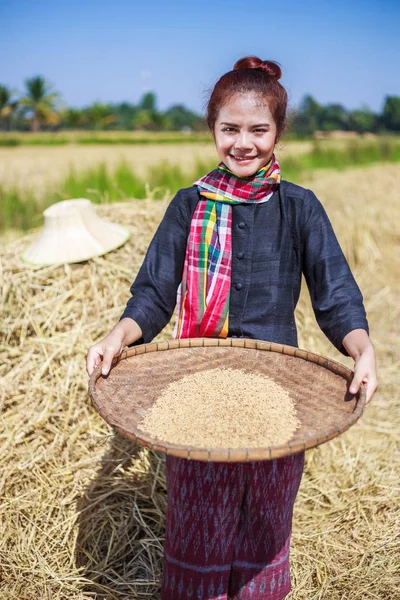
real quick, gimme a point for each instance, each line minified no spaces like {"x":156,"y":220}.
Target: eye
{"x":228,"y":129}
{"x":261,"y":130}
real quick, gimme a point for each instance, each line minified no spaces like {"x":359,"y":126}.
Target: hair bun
{"x":271,"y":68}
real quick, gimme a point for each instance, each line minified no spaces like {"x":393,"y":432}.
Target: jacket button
{"x":242,"y":225}
{"x":240,"y":255}
{"x":238,"y":285}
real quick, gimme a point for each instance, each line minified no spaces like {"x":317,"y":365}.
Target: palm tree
{"x":40,"y":100}
{"x":7,"y":105}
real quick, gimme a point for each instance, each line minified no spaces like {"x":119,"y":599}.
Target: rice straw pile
{"x":82,"y":511}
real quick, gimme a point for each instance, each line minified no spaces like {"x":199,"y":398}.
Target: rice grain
{"x":223,"y":408}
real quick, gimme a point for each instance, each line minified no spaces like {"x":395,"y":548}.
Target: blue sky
{"x":111,"y":51}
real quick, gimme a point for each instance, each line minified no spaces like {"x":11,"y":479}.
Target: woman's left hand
{"x":360,"y":348}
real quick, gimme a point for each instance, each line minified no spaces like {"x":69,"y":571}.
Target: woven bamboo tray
{"x":318,"y":386}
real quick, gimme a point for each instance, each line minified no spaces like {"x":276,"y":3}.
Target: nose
{"x":243,"y":141}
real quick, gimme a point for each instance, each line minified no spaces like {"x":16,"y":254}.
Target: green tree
{"x":7,"y":106}
{"x":151,"y":120}
{"x":180,"y":117}
{"x":362,"y":120}
{"x":99,"y":115}
{"x":391,"y":113}
{"x":73,"y":118}
{"x":40,"y":101}
{"x":125,"y":114}
{"x":332,"y":117}
{"x":308,"y":116}
{"x":144,"y":119}
{"x":148,"y":101}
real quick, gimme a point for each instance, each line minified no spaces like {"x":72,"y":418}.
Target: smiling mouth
{"x":243,"y":158}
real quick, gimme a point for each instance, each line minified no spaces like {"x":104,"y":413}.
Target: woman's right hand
{"x":125,"y":332}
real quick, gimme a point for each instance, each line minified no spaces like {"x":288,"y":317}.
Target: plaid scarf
{"x":203,"y":295}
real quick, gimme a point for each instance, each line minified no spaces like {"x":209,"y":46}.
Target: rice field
{"x":82,"y":136}
{"x":82,"y":511}
{"x":157,"y":174}
{"x":42,"y":167}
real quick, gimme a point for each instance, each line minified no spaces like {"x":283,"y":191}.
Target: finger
{"x":356,"y":382}
{"x":109,"y":354}
{"x":93,"y":359}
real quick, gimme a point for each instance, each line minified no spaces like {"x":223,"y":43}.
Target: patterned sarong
{"x":228,"y":529}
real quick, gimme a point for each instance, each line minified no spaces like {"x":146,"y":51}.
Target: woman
{"x":236,"y":244}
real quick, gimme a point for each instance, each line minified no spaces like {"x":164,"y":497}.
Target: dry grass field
{"x":82,"y":511}
{"x":39,"y":168}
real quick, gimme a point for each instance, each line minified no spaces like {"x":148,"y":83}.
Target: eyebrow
{"x":258,"y":125}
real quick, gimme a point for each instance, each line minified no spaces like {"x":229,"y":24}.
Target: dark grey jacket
{"x":273,"y":243}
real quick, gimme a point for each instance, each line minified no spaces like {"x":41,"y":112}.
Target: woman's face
{"x":245,"y":134}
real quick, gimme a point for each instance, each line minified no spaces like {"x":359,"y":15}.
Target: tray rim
{"x":232,"y":454}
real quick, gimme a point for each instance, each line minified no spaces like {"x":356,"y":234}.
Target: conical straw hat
{"x":72,"y":233}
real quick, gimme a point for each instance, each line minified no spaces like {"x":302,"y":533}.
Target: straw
{"x":82,"y":510}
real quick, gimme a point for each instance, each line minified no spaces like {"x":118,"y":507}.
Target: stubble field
{"x":82,"y":511}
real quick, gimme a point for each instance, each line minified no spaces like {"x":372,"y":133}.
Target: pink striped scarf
{"x":203,"y":295}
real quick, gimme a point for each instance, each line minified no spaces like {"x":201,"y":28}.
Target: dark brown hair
{"x":251,"y":75}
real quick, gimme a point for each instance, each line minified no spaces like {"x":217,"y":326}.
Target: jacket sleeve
{"x":336,"y":298}
{"x":154,"y":290}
